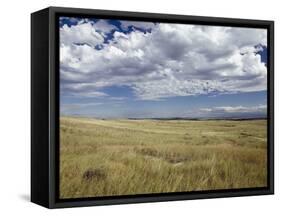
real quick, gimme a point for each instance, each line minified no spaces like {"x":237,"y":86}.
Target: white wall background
{"x":15,"y":107}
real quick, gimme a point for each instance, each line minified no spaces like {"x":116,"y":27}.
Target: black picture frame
{"x":45,"y":107}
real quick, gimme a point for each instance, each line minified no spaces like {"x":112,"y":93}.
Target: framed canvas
{"x":138,"y":107}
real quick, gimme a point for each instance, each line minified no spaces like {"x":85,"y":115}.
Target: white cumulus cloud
{"x":236,"y":109}
{"x":170,"y":60}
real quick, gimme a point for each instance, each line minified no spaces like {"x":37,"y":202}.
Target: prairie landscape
{"x":154,"y":107}
{"x":122,"y":157}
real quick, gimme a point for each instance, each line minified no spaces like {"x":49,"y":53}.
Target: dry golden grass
{"x":120,"y":157}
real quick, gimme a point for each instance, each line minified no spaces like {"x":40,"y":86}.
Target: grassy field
{"x":119,"y":157}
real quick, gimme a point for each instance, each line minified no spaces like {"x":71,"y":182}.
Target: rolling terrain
{"x":122,"y":156}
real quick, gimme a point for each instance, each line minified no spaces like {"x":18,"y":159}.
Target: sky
{"x":132,"y":69}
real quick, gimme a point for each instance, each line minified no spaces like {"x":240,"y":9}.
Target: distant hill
{"x":202,"y":119}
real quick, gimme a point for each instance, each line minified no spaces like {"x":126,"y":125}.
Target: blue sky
{"x":123,"y":69}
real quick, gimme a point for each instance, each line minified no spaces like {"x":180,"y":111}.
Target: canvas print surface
{"x":149,"y":107}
